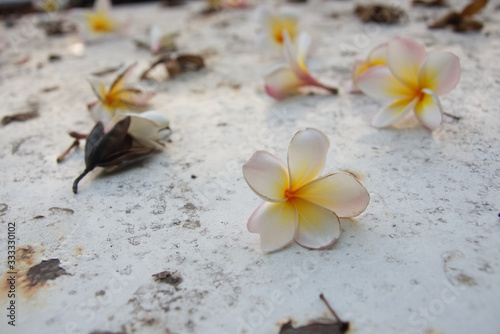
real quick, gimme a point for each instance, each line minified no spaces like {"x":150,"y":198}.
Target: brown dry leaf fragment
{"x":22,"y":117}
{"x":110,"y":149}
{"x":431,"y":3}
{"x":379,"y":13}
{"x":474,"y":8}
{"x":57,"y":27}
{"x":321,"y":326}
{"x":169,"y":277}
{"x":176,"y":65}
{"x":107,"y":70}
{"x":44,"y":271}
{"x":462,"y":22}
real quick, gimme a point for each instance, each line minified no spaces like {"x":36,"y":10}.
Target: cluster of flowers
{"x":299,"y":205}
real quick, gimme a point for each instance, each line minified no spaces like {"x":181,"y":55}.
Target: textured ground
{"x":423,"y":258}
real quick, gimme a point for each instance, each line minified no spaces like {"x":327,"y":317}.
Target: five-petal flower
{"x":285,"y":80}
{"x":299,"y":205}
{"x":98,"y":22}
{"x":117,"y":98}
{"x":413,"y":80}
{"x":273,"y":27}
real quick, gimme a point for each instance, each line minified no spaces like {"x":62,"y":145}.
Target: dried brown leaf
{"x":474,"y":8}
{"x":431,"y":3}
{"x":22,"y":117}
{"x":321,"y":326}
{"x":379,"y":13}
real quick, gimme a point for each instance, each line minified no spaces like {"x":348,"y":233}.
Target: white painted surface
{"x":428,"y":242}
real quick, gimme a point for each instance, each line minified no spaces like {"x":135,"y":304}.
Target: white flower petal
{"x":276,"y":223}
{"x":281,"y":83}
{"x":306,"y":156}
{"x":102,"y":5}
{"x":379,"y":82}
{"x":393,"y":112}
{"x":440,"y":72}
{"x":267,"y":176}
{"x":339,"y":192}
{"x":428,"y":110}
{"x":317,"y":227}
{"x":100,"y":113}
{"x":404,"y":58}
{"x":156,"y":117}
{"x":378,"y":56}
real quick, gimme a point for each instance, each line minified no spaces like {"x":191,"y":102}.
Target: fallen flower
{"x":147,"y":128}
{"x":49,"y":6}
{"x":273,"y":26}
{"x":413,"y":80}
{"x":117,"y":98}
{"x":158,"y":42}
{"x":299,"y":205}
{"x":99,"y":23}
{"x":378,"y":56}
{"x":285,"y":80}
{"x":108,"y":149}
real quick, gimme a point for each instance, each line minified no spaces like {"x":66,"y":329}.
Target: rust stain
{"x":29,"y":278}
{"x":78,"y":250}
{"x":357,"y":175}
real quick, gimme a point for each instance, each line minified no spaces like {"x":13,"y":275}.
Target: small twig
{"x":457,"y":118}
{"x":63,"y":155}
{"x":329,"y":307}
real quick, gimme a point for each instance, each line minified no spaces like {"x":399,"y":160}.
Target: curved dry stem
{"x":79,"y":178}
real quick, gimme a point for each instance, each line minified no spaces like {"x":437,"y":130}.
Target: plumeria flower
{"x":299,"y":205}
{"x":117,"y":98}
{"x":285,"y":80}
{"x":49,"y":5}
{"x":273,"y":27}
{"x":147,"y":128}
{"x":99,"y":23}
{"x":413,"y":80}
{"x":378,"y":56}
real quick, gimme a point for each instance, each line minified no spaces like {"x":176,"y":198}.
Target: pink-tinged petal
{"x":393,"y":112}
{"x":101,"y":113}
{"x":276,"y":223}
{"x":292,"y":56}
{"x":317,"y":227}
{"x":306,"y":156}
{"x":267,"y":176}
{"x":428,"y":110}
{"x":378,"y":56}
{"x":154,"y":39}
{"x":404,"y":58}
{"x":358,"y":67}
{"x":281,"y":83}
{"x":440,"y":72}
{"x":379,"y":82}
{"x":340,"y":192}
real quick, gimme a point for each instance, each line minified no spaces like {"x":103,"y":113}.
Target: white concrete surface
{"x":423,"y":258}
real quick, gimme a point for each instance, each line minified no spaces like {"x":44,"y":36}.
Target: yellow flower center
{"x":100,"y":22}
{"x":289,"y":194}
